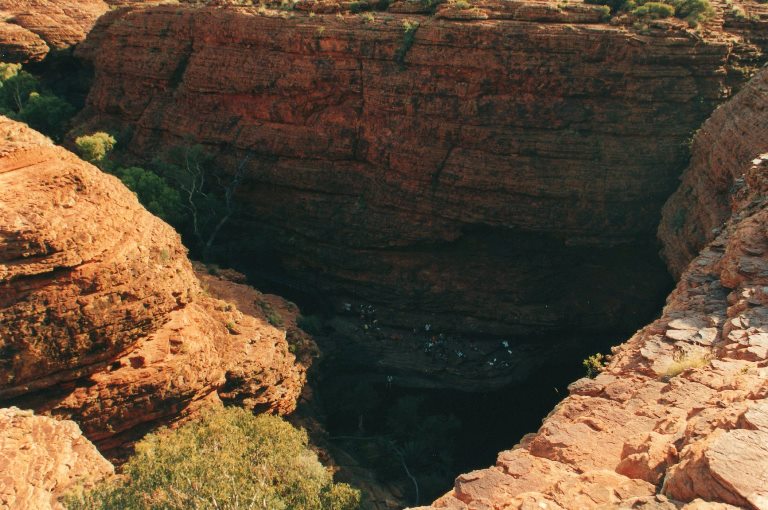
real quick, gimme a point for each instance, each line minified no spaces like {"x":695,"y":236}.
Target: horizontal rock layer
{"x":679,"y":416}
{"x":399,"y":159}
{"x":102,"y":318}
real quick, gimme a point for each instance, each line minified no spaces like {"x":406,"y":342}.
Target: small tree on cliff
{"x":208,"y":194}
{"x":153,"y":191}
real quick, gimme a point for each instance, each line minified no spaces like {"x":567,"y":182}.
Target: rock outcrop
{"x":735,"y":133}
{"x":31,"y":28}
{"x":42,"y":459}
{"x":103,"y":318}
{"x":678,"y":417}
{"x":396,"y":159}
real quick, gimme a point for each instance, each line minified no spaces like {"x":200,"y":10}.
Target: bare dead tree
{"x":229,"y":202}
{"x":202,"y":190}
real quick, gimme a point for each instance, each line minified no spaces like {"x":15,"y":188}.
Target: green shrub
{"x":8,"y":71}
{"x":272,"y":316}
{"x":694,"y":11}
{"x":228,"y":460}
{"x":605,"y":12}
{"x":654,"y":10}
{"x":409,"y":36}
{"x":47,"y":113}
{"x":95,"y":147}
{"x":614,"y":5}
{"x":22,"y":98}
{"x":153,"y":192}
{"x":17,"y":85}
{"x":594,"y":364}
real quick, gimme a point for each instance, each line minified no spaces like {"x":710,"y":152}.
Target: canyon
{"x":679,"y":413}
{"x":470,"y":198}
{"x":394,"y":161}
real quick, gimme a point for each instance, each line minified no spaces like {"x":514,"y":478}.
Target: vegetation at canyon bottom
{"x":23,"y":98}
{"x":230,"y":459}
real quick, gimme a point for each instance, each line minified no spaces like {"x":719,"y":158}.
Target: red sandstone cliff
{"x":103,"y":319}
{"x":42,"y":459}
{"x":31,"y":28}
{"x":529,"y":149}
{"x":680,"y":412}
{"x":734,"y":134}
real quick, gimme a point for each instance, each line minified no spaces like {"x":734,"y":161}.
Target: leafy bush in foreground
{"x":228,"y":460}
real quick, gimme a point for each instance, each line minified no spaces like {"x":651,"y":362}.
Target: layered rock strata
{"x":694,"y":214}
{"x":30,"y":29}
{"x":396,"y":159}
{"x":678,"y":417}
{"x":102,"y":317}
{"x":42,"y":459}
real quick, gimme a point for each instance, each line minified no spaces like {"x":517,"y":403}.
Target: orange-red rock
{"x":42,"y":458}
{"x":529,"y":148}
{"x":694,"y":214}
{"x":102,"y":317}
{"x":678,"y":419}
{"x":31,"y":28}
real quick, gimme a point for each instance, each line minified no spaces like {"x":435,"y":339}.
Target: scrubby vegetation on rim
{"x":692,"y":11}
{"x":230,"y":459}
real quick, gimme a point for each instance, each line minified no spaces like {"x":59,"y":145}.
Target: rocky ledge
{"x":679,"y":418}
{"x":103,"y":318}
{"x":42,"y":459}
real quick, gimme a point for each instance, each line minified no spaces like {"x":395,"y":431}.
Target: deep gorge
{"x":466,"y":208}
{"x":469,"y":237}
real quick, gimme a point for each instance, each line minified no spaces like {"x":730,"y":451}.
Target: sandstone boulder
{"x":42,"y":458}
{"x":32,"y":28}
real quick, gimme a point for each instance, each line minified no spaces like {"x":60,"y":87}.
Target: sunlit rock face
{"x":30,"y":29}
{"x":42,"y":459}
{"x":102,"y":318}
